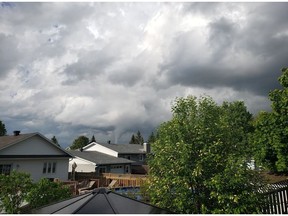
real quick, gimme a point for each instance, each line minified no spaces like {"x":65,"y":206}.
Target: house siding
{"x":35,"y":167}
{"x":82,"y":166}
{"x":34,"y":145}
{"x":86,"y":166}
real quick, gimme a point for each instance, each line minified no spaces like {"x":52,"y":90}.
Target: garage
{"x":117,"y":169}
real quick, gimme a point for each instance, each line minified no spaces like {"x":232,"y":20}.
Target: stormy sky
{"x":110,"y":69}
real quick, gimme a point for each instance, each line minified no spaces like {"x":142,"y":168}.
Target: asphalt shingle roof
{"x":99,"y":158}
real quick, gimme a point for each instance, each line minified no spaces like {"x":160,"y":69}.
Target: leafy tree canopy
{"x":3,"y":130}
{"x":19,"y":187}
{"x":151,"y":138}
{"x":45,"y":192}
{"x":80,"y":142}
{"x":14,"y":189}
{"x":199,"y":161}
{"x":270,"y":138}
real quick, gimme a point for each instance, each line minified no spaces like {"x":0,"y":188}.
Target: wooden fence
{"x":121,"y":180}
{"x":124,"y":180}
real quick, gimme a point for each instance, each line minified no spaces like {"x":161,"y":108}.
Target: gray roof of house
{"x":101,"y":201}
{"x":125,"y":148}
{"x":6,"y":141}
{"x":99,"y":158}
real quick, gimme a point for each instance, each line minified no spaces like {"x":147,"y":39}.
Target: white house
{"x":134,"y":152}
{"x":110,"y":158}
{"x":93,"y":161}
{"x":35,"y":154}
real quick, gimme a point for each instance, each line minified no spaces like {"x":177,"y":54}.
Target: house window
{"x":116,"y":167}
{"x":5,"y":169}
{"x":54,"y":167}
{"x":140,"y":157}
{"x":49,"y":167}
{"x":44,"y":167}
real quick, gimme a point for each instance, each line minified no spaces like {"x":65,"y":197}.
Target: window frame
{"x":6,"y":169}
{"x":49,"y":167}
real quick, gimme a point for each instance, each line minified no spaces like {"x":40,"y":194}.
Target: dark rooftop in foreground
{"x":101,"y":201}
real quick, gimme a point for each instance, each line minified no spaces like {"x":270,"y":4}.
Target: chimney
{"x":146,"y":147}
{"x":16,"y":133}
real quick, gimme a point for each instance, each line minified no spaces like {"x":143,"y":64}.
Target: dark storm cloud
{"x":223,"y":33}
{"x":89,"y":65}
{"x":229,"y":39}
{"x":128,"y":76}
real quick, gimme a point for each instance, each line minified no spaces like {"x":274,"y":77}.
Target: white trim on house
{"x":99,"y":148}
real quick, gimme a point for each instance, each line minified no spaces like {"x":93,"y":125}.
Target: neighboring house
{"x":93,"y":161}
{"x":134,"y":152}
{"x":109,"y":158}
{"x":35,"y":154}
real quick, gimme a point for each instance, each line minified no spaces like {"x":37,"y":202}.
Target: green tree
{"x":14,"y":190}
{"x":137,"y":139}
{"x":132,"y":140}
{"x":199,"y":160}
{"x":45,"y":192}
{"x":55,"y":141}
{"x":151,"y":138}
{"x":3,"y":130}
{"x":92,"y":139}
{"x":80,"y":142}
{"x":270,"y":138}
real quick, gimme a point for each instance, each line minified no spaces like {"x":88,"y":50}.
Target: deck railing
{"x":124,"y":180}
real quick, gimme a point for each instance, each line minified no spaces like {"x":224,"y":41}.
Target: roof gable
{"x":100,"y":148}
{"x":117,"y":148}
{"x":29,"y":144}
{"x":99,"y":158}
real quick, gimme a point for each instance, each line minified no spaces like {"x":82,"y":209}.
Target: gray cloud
{"x":242,"y":56}
{"x":9,"y":54}
{"x":110,"y":69}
